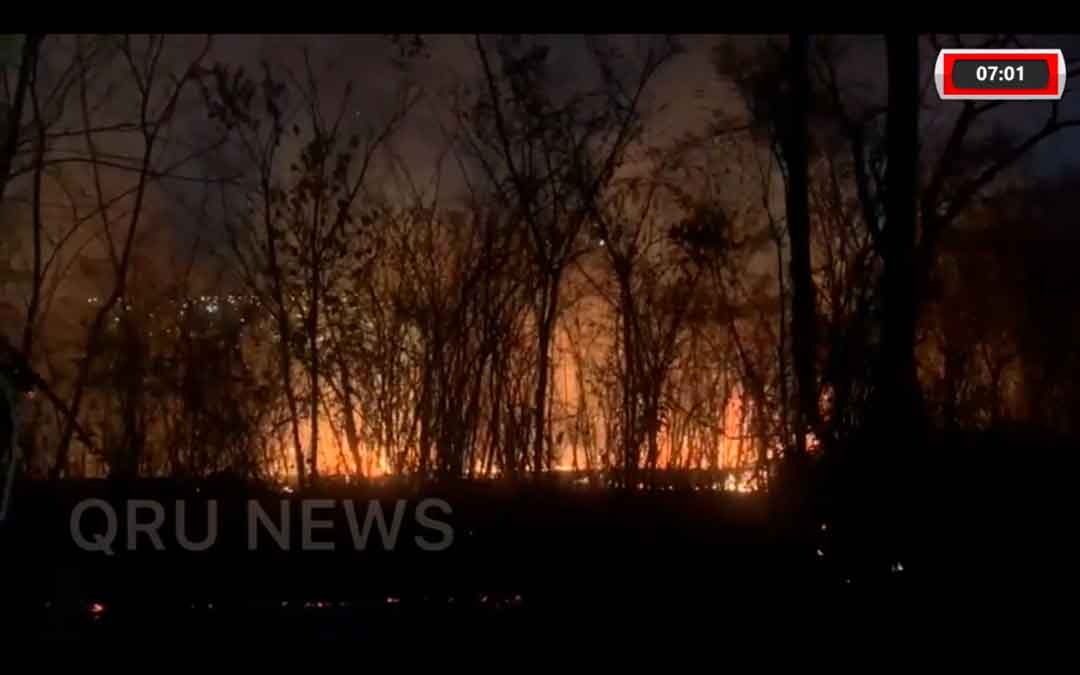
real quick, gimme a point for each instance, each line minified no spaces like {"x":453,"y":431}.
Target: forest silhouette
{"x":822,"y":338}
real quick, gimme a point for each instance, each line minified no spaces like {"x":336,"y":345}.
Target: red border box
{"x":1051,"y":88}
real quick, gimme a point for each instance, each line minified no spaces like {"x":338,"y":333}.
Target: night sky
{"x":684,"y":97}
{"x":689,"y":86}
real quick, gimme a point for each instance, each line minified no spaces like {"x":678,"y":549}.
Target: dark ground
{"x":555,"y":562}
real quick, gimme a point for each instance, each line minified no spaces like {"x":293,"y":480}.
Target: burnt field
{"x":505,"y":559}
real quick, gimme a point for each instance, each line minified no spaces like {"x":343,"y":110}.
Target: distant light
{"x":391,"y":600}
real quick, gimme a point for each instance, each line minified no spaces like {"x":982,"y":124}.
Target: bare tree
{"x":158,"y":94}
{"x":547,"y":158}
{"x":11,"y":114}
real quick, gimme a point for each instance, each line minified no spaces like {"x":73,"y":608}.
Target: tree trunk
{"x":351,"y":435}
{"x":313,"y":339}
{"x":10,"y":140}
{"x":803,"y":328}
{"x":545,"y":329}
{"x":284,"y":329}
{"x":899,"y":388}
{"x":630,"y":384}
{"x":33,"y":307}
{"x":285,"y":366}
{"x":781,"y":349}
{"x":895,"y":424}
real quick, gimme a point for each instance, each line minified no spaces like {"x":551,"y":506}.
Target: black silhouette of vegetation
{"x":824,"y":337}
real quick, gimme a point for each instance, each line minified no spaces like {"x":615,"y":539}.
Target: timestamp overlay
{"x":1000,"y":74}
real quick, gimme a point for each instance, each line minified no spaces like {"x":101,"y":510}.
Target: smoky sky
{"x":685,"y":97}
{"x":688,"y":90}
